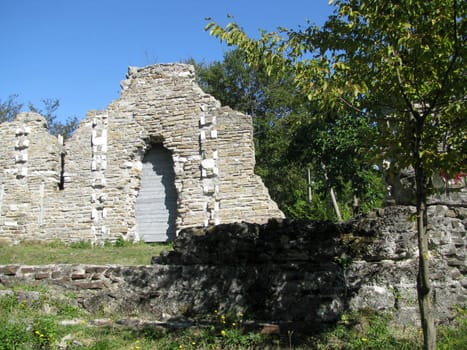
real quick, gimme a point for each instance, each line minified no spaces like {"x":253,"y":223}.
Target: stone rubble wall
{"x":285,"y":271}
{"x":212,"y":150}
{"x":29,"y":178}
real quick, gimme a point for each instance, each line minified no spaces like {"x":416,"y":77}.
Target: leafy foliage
{"x":10,"y":108}
{"x":292,"y":135}
{"x":66,"y":128}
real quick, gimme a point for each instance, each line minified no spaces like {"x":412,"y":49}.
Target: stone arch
{"x":156,"y":203}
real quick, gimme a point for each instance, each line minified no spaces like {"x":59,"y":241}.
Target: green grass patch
{"x":83,"y":252}
{"x":370,"y":330}
{"x":39,"y":324}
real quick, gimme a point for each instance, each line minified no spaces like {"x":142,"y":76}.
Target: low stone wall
{"x":283,"y":271}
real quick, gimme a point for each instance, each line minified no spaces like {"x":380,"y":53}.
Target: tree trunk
{"x":333,"y":196}
{"x":335,"y":205}
{"x":424,"y":289}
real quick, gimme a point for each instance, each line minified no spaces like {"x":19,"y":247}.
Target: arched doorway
{"x":156,"y":204}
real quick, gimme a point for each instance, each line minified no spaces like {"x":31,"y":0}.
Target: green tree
{"x":9,"y":109}
{"x":282,"y":149}
{"x":55,"y":127}
{"x":399,"y":64}
{"x":269,"y":101}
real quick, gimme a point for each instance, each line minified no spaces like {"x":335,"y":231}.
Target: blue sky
{"x":78,"y":51}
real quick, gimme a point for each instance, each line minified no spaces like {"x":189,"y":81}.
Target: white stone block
{"x":195,"y":158}
{"x":208,"y":163}
{"x":23,"y":171}
{"x":202,"y":135}
{"x":98,"y":141}
{"x":21,"y":157}
{"x":10,"y":223}
{"x":184,"y":74}
{"x":13,"y":207}
{"x":215,"y":154}
{"x":214,"y":134}
{"x":207,"y":189}
{"x":22,"y":143}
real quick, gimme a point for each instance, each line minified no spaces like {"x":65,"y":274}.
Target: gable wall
{"x":211,"y":146}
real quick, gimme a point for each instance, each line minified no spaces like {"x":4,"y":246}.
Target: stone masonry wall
{"x":211,"y":147}
{"x":285,"y":271}
{"x":29,"y":179}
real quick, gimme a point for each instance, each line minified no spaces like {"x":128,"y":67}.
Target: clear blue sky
{"x":78,"y":51}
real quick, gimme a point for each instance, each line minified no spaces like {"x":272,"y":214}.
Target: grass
{"x":120,"y":252}
{"x":39,"y":324}
{"x":375,"y":331}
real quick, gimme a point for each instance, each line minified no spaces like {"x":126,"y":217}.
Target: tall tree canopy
{"x":400,"y":64}
{"x":285,"y":122}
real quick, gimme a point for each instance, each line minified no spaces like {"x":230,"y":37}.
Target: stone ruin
{"x":166,"y":160}
{"x":297,"y":274}
{"x":163,"y":157}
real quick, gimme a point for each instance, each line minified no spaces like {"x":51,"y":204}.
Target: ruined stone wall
{"x":29,"y":179}
{"x":283,"y":271}
{"x":91,"y":195}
